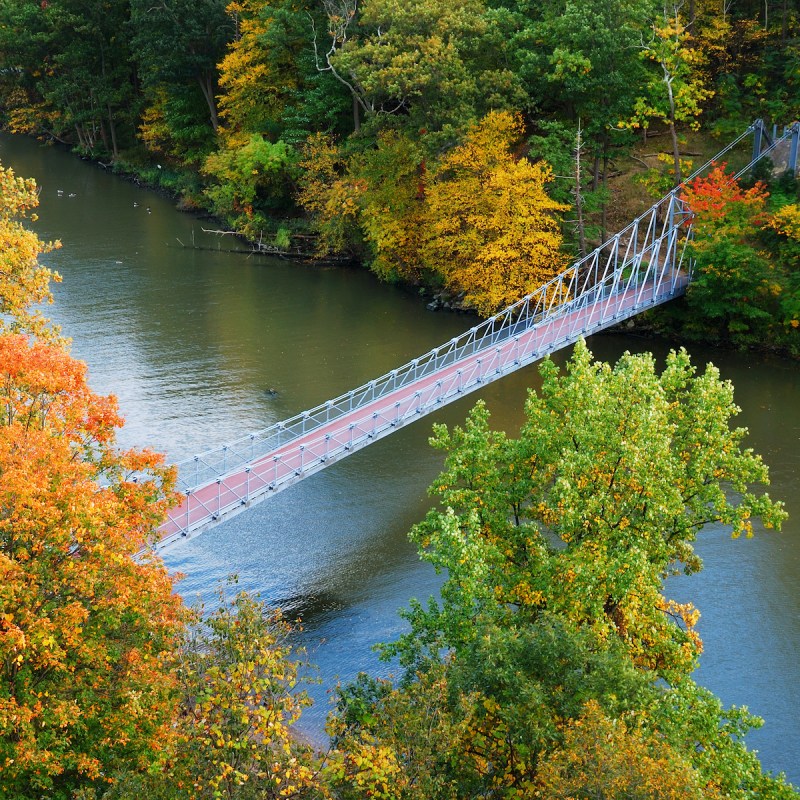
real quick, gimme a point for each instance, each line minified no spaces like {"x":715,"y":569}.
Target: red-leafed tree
{"x":745,"y":286}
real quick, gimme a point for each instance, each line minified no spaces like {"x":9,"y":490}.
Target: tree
{"x":607,"y":758}
{"x":393,"y":213}
{"x":492,"y":231}
{"x":624,"y":488}
{"x":84,"y":626}
{"x":177,"y":46}
{"x":432,"y":64}
{"x":268,"y":78}
{"x":587,"y":71}
{"x":24,"y":283}
{"x":553,"y":628}
{"x":71,"y":62}
{"x":745,"y":286}
{"x":249,"y":180}
{"x":239,"y":680}
{"x":677,"y":93}
{"x":330,"y":195}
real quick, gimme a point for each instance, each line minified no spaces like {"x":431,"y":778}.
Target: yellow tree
{"x":254,"y":87}
{"x":330,"y":195}
{"x":612,"y":759}
{"x":492,"y":231}
{"x":24,"y":283}
{"x":241,"y":696}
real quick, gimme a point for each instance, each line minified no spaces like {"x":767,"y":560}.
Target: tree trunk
{"x":604,"y":207}
{"x":356,"y":114}
{"x":113,"y":129}
{"x":207,"y":88}
{"x":104,"y":137}
{"x":676,"y":153}
{"x":579,"y":195}
{"x":784,"y":21}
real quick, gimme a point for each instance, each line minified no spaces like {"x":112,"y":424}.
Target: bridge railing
{"x":646,"y":253}
{"x":588,"y":282}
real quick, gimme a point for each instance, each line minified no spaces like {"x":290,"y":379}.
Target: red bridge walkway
{"x":641,"y":267}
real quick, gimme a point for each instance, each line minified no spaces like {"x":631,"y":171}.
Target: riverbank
{"x":630,"y":175}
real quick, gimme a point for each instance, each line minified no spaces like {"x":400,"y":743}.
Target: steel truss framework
{"x":642,"y":266}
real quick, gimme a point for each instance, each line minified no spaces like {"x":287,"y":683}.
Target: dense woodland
{"x":471,"y":148}
{"x":468,"y":146}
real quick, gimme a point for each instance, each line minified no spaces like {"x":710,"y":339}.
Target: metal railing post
{"x":793,"y":148}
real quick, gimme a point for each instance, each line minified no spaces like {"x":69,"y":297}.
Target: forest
{"x":468,"y":149}
{"x":471,"y":148}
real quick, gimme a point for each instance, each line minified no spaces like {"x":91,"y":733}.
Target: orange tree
{"x":83,"y":624}
{"x":105,"y":690}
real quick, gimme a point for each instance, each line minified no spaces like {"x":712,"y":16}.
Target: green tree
{"x":433,"y":65}
{"x":625,"y":488}
{"x":588,"y":72}
{"x":553,"y":625}
{"x":71,"y":61}
{"x":177,"y":46}
{"x":250,"y":179}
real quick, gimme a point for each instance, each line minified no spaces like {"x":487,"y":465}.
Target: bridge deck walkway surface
{"x":639,"y":268}
{"x":311,"y":452}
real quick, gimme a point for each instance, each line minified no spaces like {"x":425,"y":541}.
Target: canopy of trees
{"x":231,"y":97}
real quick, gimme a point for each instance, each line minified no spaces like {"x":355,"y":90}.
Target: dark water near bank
{"x":191,"y":341}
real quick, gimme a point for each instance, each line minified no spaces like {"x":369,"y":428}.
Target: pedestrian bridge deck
{"x":641,"y":267}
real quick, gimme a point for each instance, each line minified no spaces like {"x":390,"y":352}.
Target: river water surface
{"x":201,"y":347}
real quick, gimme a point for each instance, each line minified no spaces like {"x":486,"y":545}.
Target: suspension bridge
{"x":642,"y":266}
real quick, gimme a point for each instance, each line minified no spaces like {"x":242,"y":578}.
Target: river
{"x":202,"y":346}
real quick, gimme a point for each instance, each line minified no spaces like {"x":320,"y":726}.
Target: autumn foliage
{"x":23,"y":281}
{"x":712,"y":198}
{"x":492,"y":231}
{"x":478,"y":220}
{"x":746,"y":286}
{"x":83,"y":625}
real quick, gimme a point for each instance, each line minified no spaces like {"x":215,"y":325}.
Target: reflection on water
{"x":193,"y":341}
